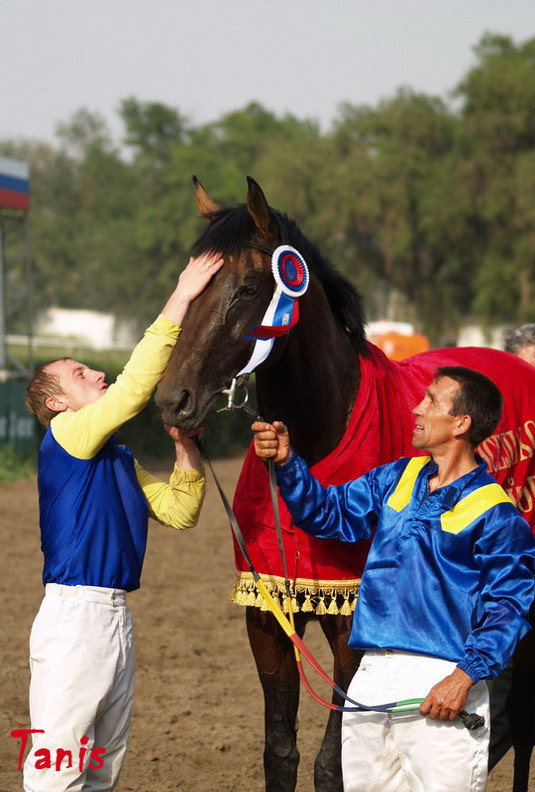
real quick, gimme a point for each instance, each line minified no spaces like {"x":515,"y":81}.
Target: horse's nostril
{"x":182,"y":402}
{"x":176,"y":405}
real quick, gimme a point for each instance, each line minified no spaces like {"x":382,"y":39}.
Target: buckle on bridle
{"x":231,"y":394}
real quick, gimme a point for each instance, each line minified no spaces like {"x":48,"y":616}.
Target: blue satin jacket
{"x":94,"y":517}
{"x":450,"y":573}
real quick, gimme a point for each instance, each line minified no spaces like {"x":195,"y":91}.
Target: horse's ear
{"x":205,"y":204}
{"x":258,"y":208}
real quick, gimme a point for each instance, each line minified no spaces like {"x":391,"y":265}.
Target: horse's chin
{"x":188,"y":425}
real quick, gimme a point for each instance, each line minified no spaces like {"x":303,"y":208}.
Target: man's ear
{"x":55,"y":404}
{"x":463,"y":424}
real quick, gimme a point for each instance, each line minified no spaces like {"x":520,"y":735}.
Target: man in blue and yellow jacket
{"x":445,"y":593}
{"x":95,"y":500}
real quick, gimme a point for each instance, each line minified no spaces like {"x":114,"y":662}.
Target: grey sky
{"x":212,"y":56}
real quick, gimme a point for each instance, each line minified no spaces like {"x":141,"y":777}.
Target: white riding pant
{"x":82,"y":686}
{"x":406,"y":752}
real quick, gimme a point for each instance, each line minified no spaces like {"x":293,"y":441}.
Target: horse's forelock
{"x":228,"y":231}
{"x":231,"y":230}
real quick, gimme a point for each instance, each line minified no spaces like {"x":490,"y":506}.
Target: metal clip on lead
{"x":237,"y":382}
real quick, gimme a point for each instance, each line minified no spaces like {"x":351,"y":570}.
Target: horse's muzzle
{"x":178,"y":408}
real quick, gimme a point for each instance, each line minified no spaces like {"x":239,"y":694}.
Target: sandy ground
{"x":198,"y":723}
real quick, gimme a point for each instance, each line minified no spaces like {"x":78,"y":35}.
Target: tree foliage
{"x":410,"y":197}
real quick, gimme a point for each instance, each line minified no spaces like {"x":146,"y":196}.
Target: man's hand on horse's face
{"x":272,"y":441}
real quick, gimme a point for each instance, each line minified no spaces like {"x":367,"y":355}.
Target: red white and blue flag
{"x":14,"y":184}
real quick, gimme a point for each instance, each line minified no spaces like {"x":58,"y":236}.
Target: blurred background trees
{"x":426,"y":201}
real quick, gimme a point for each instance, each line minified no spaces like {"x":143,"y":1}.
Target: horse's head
{"x":213,"y":346}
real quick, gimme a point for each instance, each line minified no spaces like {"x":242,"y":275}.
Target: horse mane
{"x":230,"y":230}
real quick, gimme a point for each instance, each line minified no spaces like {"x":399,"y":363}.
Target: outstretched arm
{"x":346,"y":512}
{"x":82,"y":433}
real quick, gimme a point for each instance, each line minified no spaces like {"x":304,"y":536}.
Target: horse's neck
{"x":312,"y":386}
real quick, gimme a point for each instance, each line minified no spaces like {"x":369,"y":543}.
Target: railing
{"x":65,"y":342}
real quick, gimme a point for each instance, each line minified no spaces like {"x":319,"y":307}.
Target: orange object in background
{"x":398,"y":346}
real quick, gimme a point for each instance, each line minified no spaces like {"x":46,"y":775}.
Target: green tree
{"x":151,"y":128}
{"x":388,"y":163}
{"x":497,"y":150}
{"x":406,"y":197}
{"x":82,"y":219}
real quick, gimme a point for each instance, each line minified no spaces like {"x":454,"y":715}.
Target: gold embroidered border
{"x":320,"y":596}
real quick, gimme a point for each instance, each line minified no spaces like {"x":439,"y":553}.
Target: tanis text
{"x":59,"y":758}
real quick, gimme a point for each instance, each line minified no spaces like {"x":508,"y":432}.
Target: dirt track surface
{"x":198,"y":721}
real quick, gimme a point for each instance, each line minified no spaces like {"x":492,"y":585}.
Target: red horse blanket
{"x":379,"y":431}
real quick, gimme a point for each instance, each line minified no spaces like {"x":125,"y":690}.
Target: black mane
{"x":231,"y":230}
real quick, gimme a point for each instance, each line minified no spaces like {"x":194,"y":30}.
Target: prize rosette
{"x":289,"y":270}
{"x":291,"y":282}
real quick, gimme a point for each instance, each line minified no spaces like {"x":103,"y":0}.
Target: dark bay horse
{"x":347,"y":408}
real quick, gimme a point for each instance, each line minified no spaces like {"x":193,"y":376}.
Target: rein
{"x":472,"y":721}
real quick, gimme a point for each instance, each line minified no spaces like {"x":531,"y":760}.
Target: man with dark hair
{"x":478,"y":397}
{"x":445,"y":593}
{"x":94,"y":501}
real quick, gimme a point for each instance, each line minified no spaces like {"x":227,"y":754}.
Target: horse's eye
{"x":248,"y":290}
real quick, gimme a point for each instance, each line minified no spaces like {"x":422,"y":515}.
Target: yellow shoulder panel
{"x":473,"y":506}
{"x":402,"y":494}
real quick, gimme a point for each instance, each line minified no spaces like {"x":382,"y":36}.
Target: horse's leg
{"x":522,"y":708}
{"x":328,"y":764}
{"x":500,"y":727}
{"x":277,"y":670}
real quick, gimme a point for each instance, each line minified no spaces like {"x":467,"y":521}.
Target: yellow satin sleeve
{"x":83,"y":433}
{"x":176,"y":503}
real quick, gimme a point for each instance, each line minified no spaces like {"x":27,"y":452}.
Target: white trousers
{"x":406,"y":752}
{"x":81,"y":690}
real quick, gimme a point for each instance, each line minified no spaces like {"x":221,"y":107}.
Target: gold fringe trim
{"x":334,"y":597}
